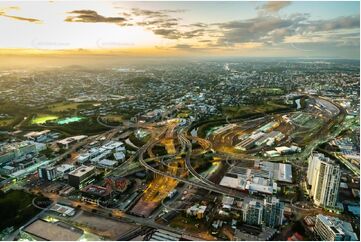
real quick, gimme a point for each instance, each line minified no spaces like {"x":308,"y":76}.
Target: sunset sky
{"x":254,"y":29}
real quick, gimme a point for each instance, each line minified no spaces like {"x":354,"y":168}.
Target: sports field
{"x":42,"y":119}
{"x":69,"y":120}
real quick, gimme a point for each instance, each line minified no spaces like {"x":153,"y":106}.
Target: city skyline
{"x":187,"y":29}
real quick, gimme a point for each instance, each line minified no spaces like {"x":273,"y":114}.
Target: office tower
{"x":48,"y":173}
{"x":252,"y":213}
{"x":273,"y":211}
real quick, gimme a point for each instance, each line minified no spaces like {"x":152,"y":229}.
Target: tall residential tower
{"x":324,"y":177}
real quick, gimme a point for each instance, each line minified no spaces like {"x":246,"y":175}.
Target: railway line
{"x":204,"y":183}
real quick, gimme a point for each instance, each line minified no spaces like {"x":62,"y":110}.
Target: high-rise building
{"x":324,"y":177}
{"x":273,"y":211}
{"x":48,"y":173}
{"x":252,"y":213}
{"x":334,"y":229}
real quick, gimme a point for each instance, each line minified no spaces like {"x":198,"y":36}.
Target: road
{"x":200,"y":182}
{"x":116,"y":214}
{"x":210,"y":187}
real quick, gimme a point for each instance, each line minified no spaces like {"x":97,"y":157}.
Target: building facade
{"x":81,"y":176}
{"x":273,"y":211}
{"x":333,"y":229}
{"x":48,"y":173}
{"x":324,"y":177}
{"x":11,"y":152}
{"x":252,"y":213}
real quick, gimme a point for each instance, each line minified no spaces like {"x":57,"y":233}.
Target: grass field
{"x":69,"y":120}
{"x":6,"y":122}
{"x":43,"y":118}
{"x":16,"y":209}
{"x":112,"y":118}
{"x":62,"y":107}
{"x":267,"y":91}
{"x":252,"y":109}
{"x":66,"y":106}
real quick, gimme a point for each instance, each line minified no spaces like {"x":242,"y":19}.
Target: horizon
{"x":181,"y":29}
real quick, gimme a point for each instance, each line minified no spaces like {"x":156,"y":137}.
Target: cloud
{"x":270,"y":30}
{"x":199,"y":25}
{"x":167,"y":33}
{"x":91,"y":16}
{"x":183,"y":46}
{"x":4,"y":14}
{"x":194,"y":48}
{"x":193,"y":33}
{"x":159,"y":22}
{"x":164,"y":13}
{"x":162,"y":23}
{"x":31,"y":20}
{"x":345,"y":22}
{"x":259,"y":29}
{"x":274,"y":6}
{"x":266,"y":29}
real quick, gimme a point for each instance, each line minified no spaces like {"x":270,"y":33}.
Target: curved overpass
{"x":204,"y":183}
{"x":209,"y":186}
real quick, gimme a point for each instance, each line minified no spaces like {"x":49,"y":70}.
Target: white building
{"x":64,"y":169}
{"x":332,"y":229}
{"x":64,"y":143}
{"x":251,"y":180}
{"x":324,"y":177}
{"x":119,"y":156}
{"x":63,"y":210}
{"x":197,"y":210}
{"x":107,"y":163}
{"x":37,"y":135}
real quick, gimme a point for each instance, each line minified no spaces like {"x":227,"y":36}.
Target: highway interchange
{"x":182,"y":140}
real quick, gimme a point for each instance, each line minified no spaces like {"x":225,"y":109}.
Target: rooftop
{"x":72,"y":139}
{"x":96,"y":190}
{"x":80,"y":171}
{"x":107,"y":162}
{"x":14,"y":146}
{"x":338,"y":226}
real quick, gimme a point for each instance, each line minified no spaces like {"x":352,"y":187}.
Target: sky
{"x":325,"y":29}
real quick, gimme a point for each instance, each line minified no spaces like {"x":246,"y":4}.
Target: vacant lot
{"x":105,"y":227}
